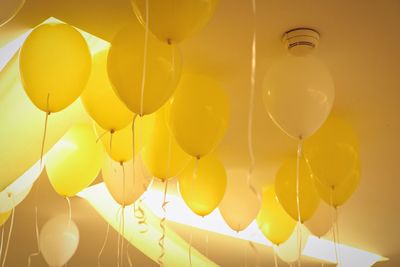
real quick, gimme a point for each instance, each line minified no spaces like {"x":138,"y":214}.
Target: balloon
{"x":121,"y":142}
{"x":333,"y":152}
{"x":240,"y":205}
{"x":16,"y":192}
{"x":202,"y":184}
{"x":100,"y":100}
{"x":58,"y":240}
{"x":199,"y":114}
{"x":54,"y":65}
{"x":273,"y":221}
{"x":4,"y":217}
{"x":175,"y":20}
{"x":321,"y":222}
{"x":289,"y":251}
{"x":127,"y":191}
{"x":125,"y":69}
{"x":162,"y":156}
{"x":9,"y":10}
{"x":285,"y":188}
{"x":75,"y":161}
{"x":298,"y":95}
{"x":338,"y":195}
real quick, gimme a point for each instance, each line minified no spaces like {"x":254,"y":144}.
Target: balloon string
{"x":337,"y":235}
{"x":69,"y":211}
{"x":14,"y":14}
{"x":37,"y":185}
{"x":333,"y":228}
{"x":34,"y":254}
{"x":299,"y":152}
{"x":103,"y":246}
{"x":207,"y":244}
{"x":190,"y":247}
{"x":1,"y":241}
{"x":161,"y":241}
{"x":141,"y":216}
{"x":146,"y":38}
{"x":133,"y":148}
{"x":128,"y":257}
{"x":119,"y":233}
{"x":122,"y":235}
{"x":8,"y":238}
{"x":245,"y":256}
{"x":101,"y":136}
{"x":251,"y":106}
{"x":275,"y":257}
{"x":255,"y":250}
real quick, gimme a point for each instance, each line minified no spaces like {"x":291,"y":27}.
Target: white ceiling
{"x":360,"y":44}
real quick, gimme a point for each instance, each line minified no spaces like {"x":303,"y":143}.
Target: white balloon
{"x":289,"y":250}
{"x":240,"y":204}
{"x":16,"y":192}
{"x":298,"y":95}
{"x":58,"y":240}
{"x":321,"y":222}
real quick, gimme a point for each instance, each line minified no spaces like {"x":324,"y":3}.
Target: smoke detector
{"x":301,"y":41}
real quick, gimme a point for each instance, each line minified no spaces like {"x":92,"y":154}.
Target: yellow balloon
{"x":118,"y":145}
{"x":333,"y":152}
{"x":100,"y":100}
{"x":202,"y":184}
{"x":163,"y":156}
{"x":4,"y":217}
{"x":125,"y":69}
{"x":126,"y":182}
{"x":74,"y":162}
{"x":273,"y":221}
{"x":199,"y":114}
{"x":285,"y":188}
{"x":338,"y":195}
{"x":54,"y":66}
{"x":175,"y":20}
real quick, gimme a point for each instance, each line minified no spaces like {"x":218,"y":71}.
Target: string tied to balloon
{"x":161,"y":241}
{"x":299,"y":235}
{"x":104,"y":245}
{"x":141,"y":216}
{"x":8,"y":237}
{"x":37,"y":185}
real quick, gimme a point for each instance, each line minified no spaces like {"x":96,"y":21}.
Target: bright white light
{"x":316,"y":248}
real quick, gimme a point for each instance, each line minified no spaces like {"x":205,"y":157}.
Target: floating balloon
{"x":333,"y":152}
{"x":9,"y":10}
{"x":4,"y":217}
{"x":276,"y":225}
{"x":75,"y":161}
{"x":125,"y":69}
{"x":118,"y":145}
{"x":127,"y":182}
{"x":240,"y":205}
{"x":174,"y":20}
{"x":54,"y":65}
{"x":100,"y":100}
{"x":321,"y":222}
{"x":289,"y":251}
{"x":286,"y":190}
{"x":202,"y":184}
{"x":163,"y":156}
{"x":58,"y":240}
{"x":199,"y":114}
{"x":298,"y":95}
{"x":338,"y":195}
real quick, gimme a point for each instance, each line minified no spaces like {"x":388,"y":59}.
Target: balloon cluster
{"x":152,"y":118}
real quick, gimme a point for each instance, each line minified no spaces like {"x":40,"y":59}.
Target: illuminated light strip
{"x":319,"y":249}
{"x":176,"y":249}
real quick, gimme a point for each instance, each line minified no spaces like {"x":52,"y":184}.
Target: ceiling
{"x":359,"y":43}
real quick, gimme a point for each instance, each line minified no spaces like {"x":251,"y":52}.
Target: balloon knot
{"x":112,"y":131}
{"x":169,"y":41}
